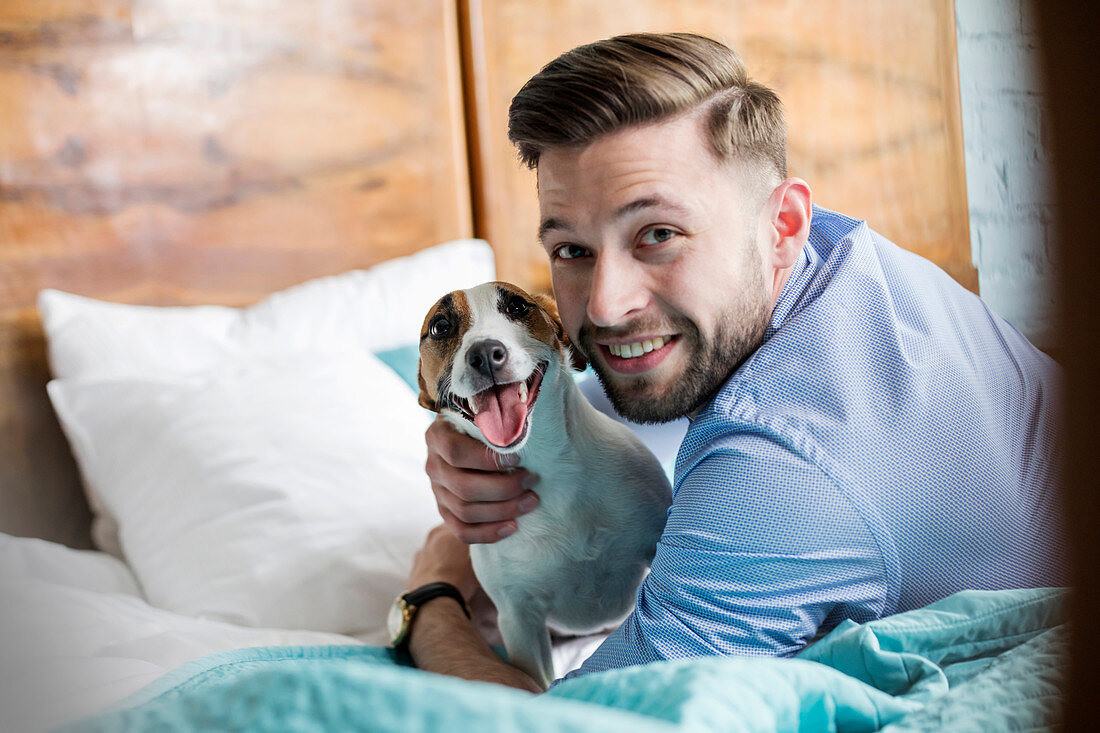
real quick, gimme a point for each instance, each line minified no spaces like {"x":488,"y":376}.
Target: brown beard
{"x":709,"y":362}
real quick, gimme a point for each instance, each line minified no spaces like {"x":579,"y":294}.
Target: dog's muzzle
{"x":487,"y":358}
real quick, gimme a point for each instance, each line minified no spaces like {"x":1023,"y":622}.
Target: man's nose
{"x":487,"y":357}
{"x":615,"y":291}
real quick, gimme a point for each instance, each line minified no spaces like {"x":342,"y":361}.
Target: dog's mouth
{"x":503,"y":411}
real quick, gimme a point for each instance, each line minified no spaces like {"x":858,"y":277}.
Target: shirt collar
{"x":801,"y":275}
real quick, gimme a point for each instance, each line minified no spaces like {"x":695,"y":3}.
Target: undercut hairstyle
{"x":644,"y":78}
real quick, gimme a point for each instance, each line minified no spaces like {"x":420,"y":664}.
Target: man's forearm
{"x":443,"y":640}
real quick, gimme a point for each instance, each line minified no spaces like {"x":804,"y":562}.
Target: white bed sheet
{"x":76,"y":635}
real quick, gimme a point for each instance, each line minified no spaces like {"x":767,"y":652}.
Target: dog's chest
{"x":567,"y":525}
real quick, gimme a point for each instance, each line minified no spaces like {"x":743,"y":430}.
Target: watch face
{"x":395,"y":621}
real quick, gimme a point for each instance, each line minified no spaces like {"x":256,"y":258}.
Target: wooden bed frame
{"x":172,"y":152}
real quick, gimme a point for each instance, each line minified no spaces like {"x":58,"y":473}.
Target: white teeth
{"x":629,"y":351}
{"x":473,"y":406}
{"x":523,"y":391}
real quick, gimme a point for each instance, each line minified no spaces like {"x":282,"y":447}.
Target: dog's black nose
{"x":487,"y":357}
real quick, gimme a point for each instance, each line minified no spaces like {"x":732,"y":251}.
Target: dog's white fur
{"x":576,"y":561}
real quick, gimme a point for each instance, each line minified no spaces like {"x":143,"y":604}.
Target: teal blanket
{"x":975,"y":661}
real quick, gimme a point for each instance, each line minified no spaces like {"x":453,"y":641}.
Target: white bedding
{"x":76,"y":635}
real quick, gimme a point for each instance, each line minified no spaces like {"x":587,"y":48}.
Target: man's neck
{"x":779,"y":281}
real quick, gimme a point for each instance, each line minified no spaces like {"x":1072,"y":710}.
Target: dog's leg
{"x":528,"y":642}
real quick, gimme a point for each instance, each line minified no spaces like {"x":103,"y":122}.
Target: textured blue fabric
{"x":890,"y":443}
{"x":405,"y":360}
{"x":990,"y":656}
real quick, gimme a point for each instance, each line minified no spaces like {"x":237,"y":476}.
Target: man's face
{"x":651,"y":239}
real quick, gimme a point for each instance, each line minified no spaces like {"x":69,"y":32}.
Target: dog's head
{"x":484,"y":353}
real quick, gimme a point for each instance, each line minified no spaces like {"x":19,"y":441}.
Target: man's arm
{"x":760,"y":548}
{"x":444,"y":641}
{"x":441,"y":638}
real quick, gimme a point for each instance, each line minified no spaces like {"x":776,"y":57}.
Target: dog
{"x":497,"y":363}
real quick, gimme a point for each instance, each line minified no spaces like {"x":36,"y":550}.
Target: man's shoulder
{"x":863,"y":261}
{"x":828,"y":225}
{"x":749,"y":447}
{"x":753,"y":491}
{"x":866,"y":317}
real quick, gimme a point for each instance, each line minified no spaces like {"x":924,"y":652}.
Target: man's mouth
{"x":503,"y":411}
{"x":638,"y":348}
{"x":638,"y":356}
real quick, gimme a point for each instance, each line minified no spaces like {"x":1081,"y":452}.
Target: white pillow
{"x":258,"y":465}
{"x":371,"y":310}
{"x":288,"y":495}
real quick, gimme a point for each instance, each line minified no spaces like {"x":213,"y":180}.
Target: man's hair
{"x":643,"y":78}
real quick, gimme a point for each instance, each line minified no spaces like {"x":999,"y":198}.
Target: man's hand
{"x":478,"y":497}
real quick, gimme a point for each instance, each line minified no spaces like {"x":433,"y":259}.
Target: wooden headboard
{"x":200,"y":151}
{"x":187,"y":152}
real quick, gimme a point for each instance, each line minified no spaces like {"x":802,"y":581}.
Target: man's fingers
{"x":478,"y":512}
{"x":478,"y":485}
{"x":463,"y":451}
{"x":478,"y":499}
{"x":473,"y":486}
{"x":473,"y":534}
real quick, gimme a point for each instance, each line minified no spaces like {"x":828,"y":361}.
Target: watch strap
{"x":425,"y":593}
{"x":416,"y":598}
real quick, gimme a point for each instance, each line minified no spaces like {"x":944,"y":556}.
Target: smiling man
{"x":866,"y":436}
{"x":651,"y":237}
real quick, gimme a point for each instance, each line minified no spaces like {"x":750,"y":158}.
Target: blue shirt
{"x":892,"y":441}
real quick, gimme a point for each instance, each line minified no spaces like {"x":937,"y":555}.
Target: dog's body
{"x":576,"y":561}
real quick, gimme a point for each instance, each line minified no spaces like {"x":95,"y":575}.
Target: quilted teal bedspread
{"x":978,"y":660}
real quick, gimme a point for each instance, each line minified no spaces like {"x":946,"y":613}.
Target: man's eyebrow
{"x":551,"y":225}
{"x":651,"y":202}
{"x":646,"y":202}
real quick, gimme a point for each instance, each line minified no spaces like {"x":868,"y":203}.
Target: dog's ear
{"x":424,"y":399}
{"x":550,"y":307}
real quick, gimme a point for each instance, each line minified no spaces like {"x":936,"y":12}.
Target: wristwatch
{"x":405,"y":607}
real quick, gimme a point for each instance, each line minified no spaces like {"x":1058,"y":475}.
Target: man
{"x":866,"y":436}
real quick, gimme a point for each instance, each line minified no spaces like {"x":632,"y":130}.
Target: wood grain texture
{"x":870,"y":91}
{"x":196,"y":151}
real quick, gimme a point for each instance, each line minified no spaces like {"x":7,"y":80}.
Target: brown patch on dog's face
{"x":440,"y":337}
{"x":542,"y":321}
{"x":452,"y":317}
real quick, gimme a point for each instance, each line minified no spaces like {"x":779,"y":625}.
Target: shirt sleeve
{"x":761,"y":549}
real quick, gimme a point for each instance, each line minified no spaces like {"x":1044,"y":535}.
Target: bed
{"x":219,"y":230}
{"x":255,"y":477}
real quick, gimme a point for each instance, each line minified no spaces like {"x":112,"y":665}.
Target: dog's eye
{"x":440,"y":327}
{"x":517,"y":306}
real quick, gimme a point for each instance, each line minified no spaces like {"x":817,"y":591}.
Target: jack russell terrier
{"x":496,"y":363}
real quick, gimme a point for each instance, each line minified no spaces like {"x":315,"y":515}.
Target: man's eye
{"x":569,"y":252}
{"x":440,"y":327}
{"x":517,"y":306}
{"x":657,"y":235}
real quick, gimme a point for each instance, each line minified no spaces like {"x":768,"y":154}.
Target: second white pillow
{"x":287,"y":495}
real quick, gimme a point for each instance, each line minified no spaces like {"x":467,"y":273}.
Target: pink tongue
{"x":500,"y":414}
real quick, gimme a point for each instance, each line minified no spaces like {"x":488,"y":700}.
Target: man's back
{"x":891,"y":442}
{"x":915,"y":397}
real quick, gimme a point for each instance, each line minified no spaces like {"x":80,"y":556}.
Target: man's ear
{"x":424,"y":399}
{"x":550,"y":307}
{"x":790,"y":209}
